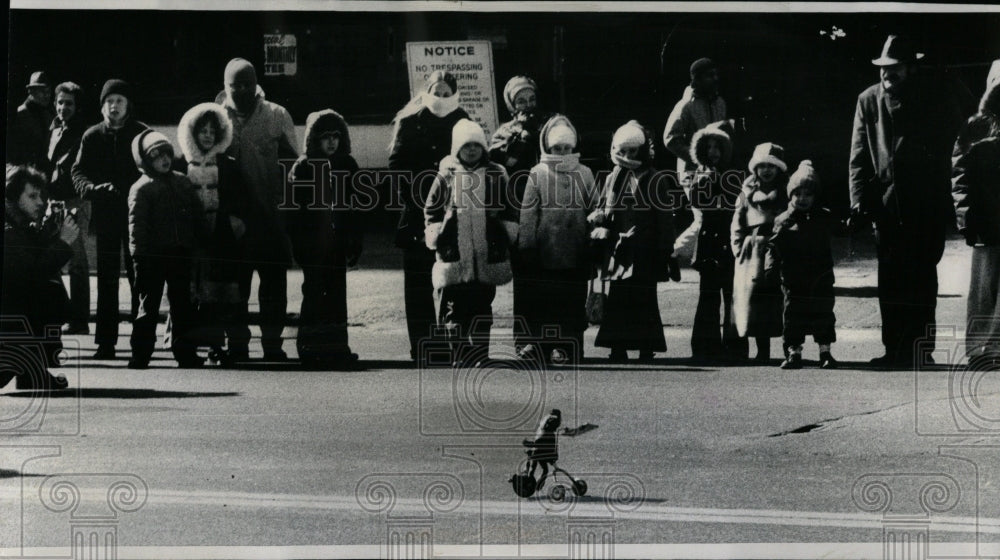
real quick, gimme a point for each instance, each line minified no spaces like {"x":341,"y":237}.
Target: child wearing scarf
{"x":553,"y":243}
{"x":471,"y":223}
{"x":636,"y":230}
{"x":757,"y":302}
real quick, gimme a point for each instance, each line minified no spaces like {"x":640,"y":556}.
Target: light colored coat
{"x":554,"y":212}
{"x":460,"y":194}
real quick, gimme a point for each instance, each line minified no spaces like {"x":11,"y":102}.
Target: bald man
{"x":263,"y":133}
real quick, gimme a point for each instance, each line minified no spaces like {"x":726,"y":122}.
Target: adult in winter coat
{"x":162,"y":225}
{"x":28,"y":131}
{"x":904,"y":131}
{"x":799,"y":256}
{"x":263,"y":133}
{"x":976,"y":194}
{"x":714,"y":191}
{"x":32,"y":295}
{"x":204,"y":134}
{"x":636,"y":231}
{"x":471,"y":224}
{"x":700,"y":106}
{"x":326,"y":239}
{"x":553,"y":240}
{"x":65,"y":134}
{"x":421,"y":138}
{"x":103,"y":173}
{"x":515,"y":146}
{"x":757,"y":302}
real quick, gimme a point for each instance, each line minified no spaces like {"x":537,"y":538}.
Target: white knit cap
{"x":464,"y":132}
{"x":561,"y":134}
{"x":629,"y":135}
{"x":768,"y":152}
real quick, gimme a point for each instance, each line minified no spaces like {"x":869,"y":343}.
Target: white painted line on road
{"x":624,"y":512}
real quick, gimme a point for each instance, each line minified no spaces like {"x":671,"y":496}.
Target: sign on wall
{"x":280,"y":55}
{"x":471,"y":62}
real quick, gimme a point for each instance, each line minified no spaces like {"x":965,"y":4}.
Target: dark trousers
{"x":273,"y":297}
{"x":172,"y":268}
{"x":418,"y":296}
{"x":467,"y":316}
{"x":907,"y":287}
{"x":323,"y":315}
{"x":807,"y":312}
{"x":715,"y":290}
{"x":112,"y":244}
{"x":555,"y":303}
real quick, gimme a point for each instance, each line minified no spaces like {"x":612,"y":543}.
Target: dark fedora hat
{"x":897,"y":50}
{"x":39,"y":79}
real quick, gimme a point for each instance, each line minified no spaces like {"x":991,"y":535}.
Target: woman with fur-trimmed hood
{"x":471,"y":223}
{"x":326,"y":239}
{"x":714,"y":191}
{"x":637,"y":237}
{"x":204,"y":134}
{"x":976,"y":194}
{"x":553,"y":241}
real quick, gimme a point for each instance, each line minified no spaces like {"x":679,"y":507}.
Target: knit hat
{"x":701,"y":65}
{"x":804,"y":177}
{"x":441,"y":76}
{"x":514,"y":86}
{"x":629,"y":135}
{"x":561,"y":134}
{"x":144,"y":143}
{"x":113,"y":86}
{"x":465,"y":132}
{"x":39,"y":79}
{"x":768,"y":153}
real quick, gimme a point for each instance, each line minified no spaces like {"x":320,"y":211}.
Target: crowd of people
{"x":481,"y":212}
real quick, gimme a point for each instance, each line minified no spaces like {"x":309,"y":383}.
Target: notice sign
{"x":280,"y":55}
{"x":471,"y":62}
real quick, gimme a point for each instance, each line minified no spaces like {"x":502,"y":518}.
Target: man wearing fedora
{"x":28,"y":133}
{"x":904,"y":129}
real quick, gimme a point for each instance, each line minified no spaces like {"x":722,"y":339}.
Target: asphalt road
{"x":274,"y":462}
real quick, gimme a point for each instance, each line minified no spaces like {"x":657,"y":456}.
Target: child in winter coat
{"x":204,"y":134}
{"x":553,"y":241}
{"x":756,"y":302}
{"x":799,"y":253}
{"x":714,"y":191}
{"x":637,"y":235}
{"x":162,"y":226}
{"x":471,"y":222}
{"x":326,"y":239}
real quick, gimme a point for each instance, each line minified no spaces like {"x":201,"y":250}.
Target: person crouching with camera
{"x":36,"y":246}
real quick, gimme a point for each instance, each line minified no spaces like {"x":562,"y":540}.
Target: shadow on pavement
{"x":598,"y":500}
{"x":100,"y":393}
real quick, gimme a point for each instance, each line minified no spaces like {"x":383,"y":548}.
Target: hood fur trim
{"x":187,"y":137}
{"x":325,"y":120}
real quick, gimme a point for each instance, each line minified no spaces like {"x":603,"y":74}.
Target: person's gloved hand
{"x":673,"y":269}
{"x":857,"y":220}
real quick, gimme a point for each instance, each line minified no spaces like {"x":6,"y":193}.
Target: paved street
{"x":273,"y":457}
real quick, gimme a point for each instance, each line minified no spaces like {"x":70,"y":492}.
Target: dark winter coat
{"x":900,"y":154}
{"x":63,"y":146}
{"x":518,"y":138}
{"x":312,"y":228}
{"x":106,"y":157}
{"x":162,"y":212}
{"x":715,"y":192}
{"x":28,"y":134}
{"x":419,"y":142}
{"x":33,"y":259}
{"x":976,"y":192}
{"x":799,"y":252}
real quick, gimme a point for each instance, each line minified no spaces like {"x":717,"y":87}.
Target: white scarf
{"x":440,"y":106}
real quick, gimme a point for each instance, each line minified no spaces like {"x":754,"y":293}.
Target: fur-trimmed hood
{"x":187,"y":136}
{"x":699,"y":143}
{"x":990,"y":103}
{"x":321,"y":122}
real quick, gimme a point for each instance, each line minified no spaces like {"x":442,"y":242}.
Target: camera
{"x":959,"y":400}
{"x":496,"y":393}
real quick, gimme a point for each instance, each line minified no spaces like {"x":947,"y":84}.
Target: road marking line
{"x":641,"y":512}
